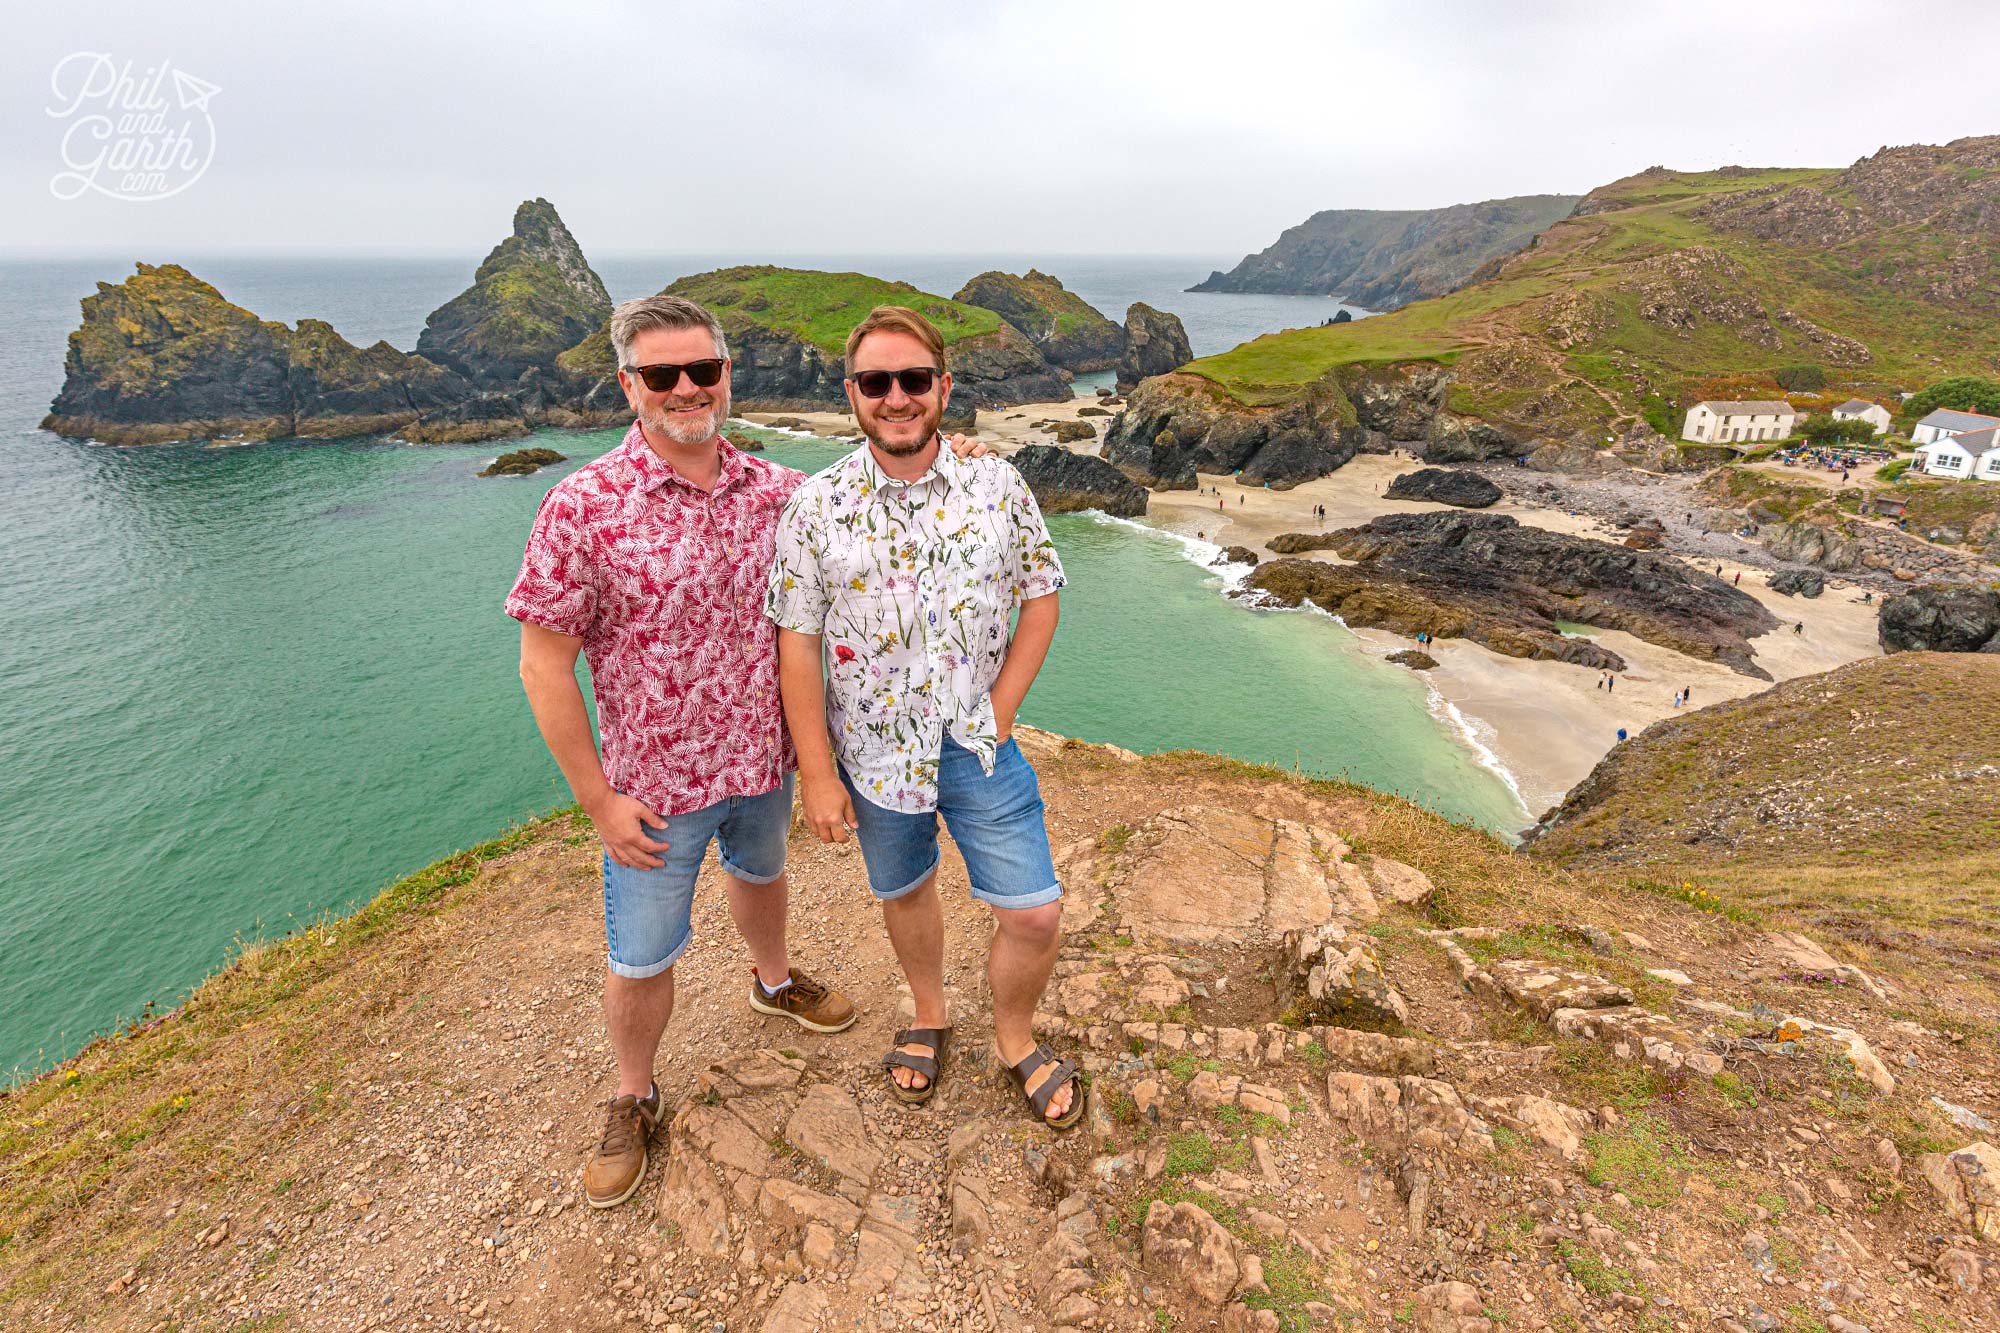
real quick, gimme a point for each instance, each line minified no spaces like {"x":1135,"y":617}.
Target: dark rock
{"x":1646,"y":535}
{"x":1064,"y":328}
{"x":747,"y":443}
{"x":1487,"y":578}
{"x":1803,"y":582}
{"x":1941,"y":617}
{"x":1467,"y":490}
{"x":1414,"y":659}
{"x":1070,"y":432}
{"x":521,"y":462}
{"x":1178,"y":425}
{"x":1095,"y":412}
{"x":1235,"y":555}
{"x":1065,"y":482}
{"x":1155,"y":344}
{"x":533,"y":298}
{"x":490,"y":416}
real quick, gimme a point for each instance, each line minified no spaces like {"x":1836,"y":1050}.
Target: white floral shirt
{"x":913,"y":587}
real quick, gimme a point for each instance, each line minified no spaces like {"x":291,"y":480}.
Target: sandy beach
{"x":1544,"y":725}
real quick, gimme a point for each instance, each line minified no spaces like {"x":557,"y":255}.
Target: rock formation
{"x":522,"y":462}
{"x":1941,"y":617}
{"x":1066,"y":329}
{"x":1066,"y":482}
{"x":1488,"y":578}
{"x":1177,"y":425}
{"x":1155,"y":343}
{"x":1451,"y":486}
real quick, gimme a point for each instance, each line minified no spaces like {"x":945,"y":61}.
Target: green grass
{"x":823,"y":308}
{"x":1642,"y":1158}
{"x":1597,"y":1276}
{"x":1191,"y":1153}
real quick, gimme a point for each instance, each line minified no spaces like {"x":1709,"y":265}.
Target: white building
{"x":1972,"y":456}
{"x":1860,"y":409}
{"x":1729,"y":423}
{"x":1945,"y":423}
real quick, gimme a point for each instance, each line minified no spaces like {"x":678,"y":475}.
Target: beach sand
{"x":1544,"y":725}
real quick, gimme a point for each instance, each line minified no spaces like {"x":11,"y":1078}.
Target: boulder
{"x":1339,"y":978}
{"x":1798,"y":582}
{"x":1414,"y":659}
{"x":1967,"y":1184}
{"x":521,"y":462}
{"x":1155,"y":344}
{"x":1413,"y":1111}
{"x":1184,"y":1244}
{"x":1941,"y":617}
{"x":1451,"y":486}
{"x":1450,"y":1307}
{"x":1235,"y":555}
{"x":1065,"y":482}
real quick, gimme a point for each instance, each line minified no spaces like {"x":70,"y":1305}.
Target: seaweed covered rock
{"x":521,"y":462}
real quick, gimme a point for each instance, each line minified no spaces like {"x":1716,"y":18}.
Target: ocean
{"x":248,"y":686}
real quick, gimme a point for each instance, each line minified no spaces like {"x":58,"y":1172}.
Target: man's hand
{"x":828,"y":811}
{"x":967,"y":447}
{"x":622,"y":825}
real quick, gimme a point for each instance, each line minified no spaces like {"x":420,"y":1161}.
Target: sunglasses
{"x":662,"y":379}
{"x":916,"y":381}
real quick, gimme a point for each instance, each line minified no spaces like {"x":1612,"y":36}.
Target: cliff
{"x":1383,"y":258}
{"x":1155,"y":344}
{"x":1066,"y":329}
{"x":1330,"y":1038}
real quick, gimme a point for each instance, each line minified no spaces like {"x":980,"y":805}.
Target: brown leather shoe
{"x":805,"y":1002}
{"x":615,"y":1171}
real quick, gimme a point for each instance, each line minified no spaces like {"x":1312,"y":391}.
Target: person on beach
{"x":652,"y":563}
{"x":898,"y":571}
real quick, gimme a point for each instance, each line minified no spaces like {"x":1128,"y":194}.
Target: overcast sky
{"x":799,"y":127}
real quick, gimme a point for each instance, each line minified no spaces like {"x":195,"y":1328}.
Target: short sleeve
{"x":1036,"y":569}
{"x":797,"y":597}
{"x":557,"y":588}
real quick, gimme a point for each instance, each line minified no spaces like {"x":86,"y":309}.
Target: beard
{"x":697,"y":431}
{"x":929,"y":419}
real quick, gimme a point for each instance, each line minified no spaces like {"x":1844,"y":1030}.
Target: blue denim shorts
{"x":648,"y":913}
{"x":996,"y":821}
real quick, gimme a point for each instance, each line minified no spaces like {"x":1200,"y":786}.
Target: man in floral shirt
{"x":653,"y":561}
{"x":898,"y":571}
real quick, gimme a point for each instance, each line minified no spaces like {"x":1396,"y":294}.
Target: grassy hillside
{"x":1881,"y":274}
{"x":823,"y":307}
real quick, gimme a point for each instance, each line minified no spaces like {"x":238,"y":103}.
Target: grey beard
{"x":687,"y":434}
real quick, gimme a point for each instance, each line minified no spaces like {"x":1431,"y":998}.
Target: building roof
{"x":1958,"y":422}
{"x":1858,"y":405}
{"x":1763,"y":407}
{"x":1974,"y":442}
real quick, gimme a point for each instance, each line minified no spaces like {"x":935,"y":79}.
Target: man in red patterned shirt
{"x":652,"y":562}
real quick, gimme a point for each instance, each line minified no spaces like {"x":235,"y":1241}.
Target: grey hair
{"x":634,"y":317}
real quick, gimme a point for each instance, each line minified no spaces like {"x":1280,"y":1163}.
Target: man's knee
{"x":1035,"y":928}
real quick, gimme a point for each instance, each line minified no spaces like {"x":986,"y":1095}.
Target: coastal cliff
{"x":1066,"y":329}
{"x":1380,"y":259}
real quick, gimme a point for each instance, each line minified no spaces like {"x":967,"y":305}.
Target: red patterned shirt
{"x":665,"y":585}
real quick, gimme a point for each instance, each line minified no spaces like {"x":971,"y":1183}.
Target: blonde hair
{"x":896,"y":319}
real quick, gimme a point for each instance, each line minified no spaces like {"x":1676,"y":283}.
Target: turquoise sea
{"x":241,"y":687}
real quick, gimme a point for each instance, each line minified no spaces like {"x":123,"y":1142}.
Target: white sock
{"x":769,"y":991}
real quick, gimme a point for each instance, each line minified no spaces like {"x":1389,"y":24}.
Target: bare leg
{"x":1025,"y":944}
{"x":916,"y":931}
{"x":759,"y":913}
{"x":636,"y":1013}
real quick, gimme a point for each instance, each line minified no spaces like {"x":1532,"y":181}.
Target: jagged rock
{"x":522,"y":462}
{"x":1418,"y":1111}
{"x":532,"y":299}
{"x":1451,"y":1307}
{"x":798,"y":1309}
{"x":1376,"y":1053}
{"x":1414,"y":659}
{"x":1632,"y":1033}
{"x":1553,"y":1124}
{"x":1967,"y":1183}
{"x":1182,"y":1242}
{"x":1488,"y":578}
{"x":1451,"y":486}
{"x":1155,"y":344}
{"x":1066,"y":483}
{"x":1542,"y":988}
{"x":1235,"y":555}
{"x":1799,"y":582}
{"x":1062,"y":325}
{"x":1798,"y":954}
{"x":1342,"y":978}
{"x":1178,"y":425}
{"x":1574,"y":458}
{"x":1966,"y":1271}
{"x":1399,"y":883}
{"x":488,"y":416}
{"x":1850,"y":1046}
{"x":1945,"y":618}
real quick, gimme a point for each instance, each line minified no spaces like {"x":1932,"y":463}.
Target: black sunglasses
{"x":704,"y":374}
{"x":916,"y":381}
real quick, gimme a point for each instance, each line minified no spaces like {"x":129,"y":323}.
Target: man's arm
{"x":548,"y":672}
{"x":802,"y":685}
{"x":1034,"y":631}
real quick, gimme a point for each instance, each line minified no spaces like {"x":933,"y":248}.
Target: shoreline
{"x":1540,"y":726}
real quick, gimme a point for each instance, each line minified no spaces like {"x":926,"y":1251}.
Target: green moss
{"x":823,"y":308}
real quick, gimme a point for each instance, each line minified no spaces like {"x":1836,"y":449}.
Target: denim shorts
{"x":648,"y":913}
{"x":996,"y":821}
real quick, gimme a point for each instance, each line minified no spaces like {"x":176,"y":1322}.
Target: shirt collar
{"x":943,"y":470}
{"x":655,"y":472}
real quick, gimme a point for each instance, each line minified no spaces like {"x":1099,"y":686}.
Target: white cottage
{"x":1945,"y":423}
{"x":1860,"y":409}
{"x":1972,"y":456}
{"x":1729,"y":423}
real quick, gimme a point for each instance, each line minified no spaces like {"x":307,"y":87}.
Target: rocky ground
{"x":1349,"y":1068}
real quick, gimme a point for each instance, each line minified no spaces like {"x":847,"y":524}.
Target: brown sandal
{"x":1045,"y":1092}
{"x":927,"y":1065}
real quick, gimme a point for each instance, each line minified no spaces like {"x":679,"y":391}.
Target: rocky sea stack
{"x":1486,"y":578}
{"x":1065,"y":482}
{"x":532,"y":299}
{"x":1064,"y":328}
{"x":1155,"y":344}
